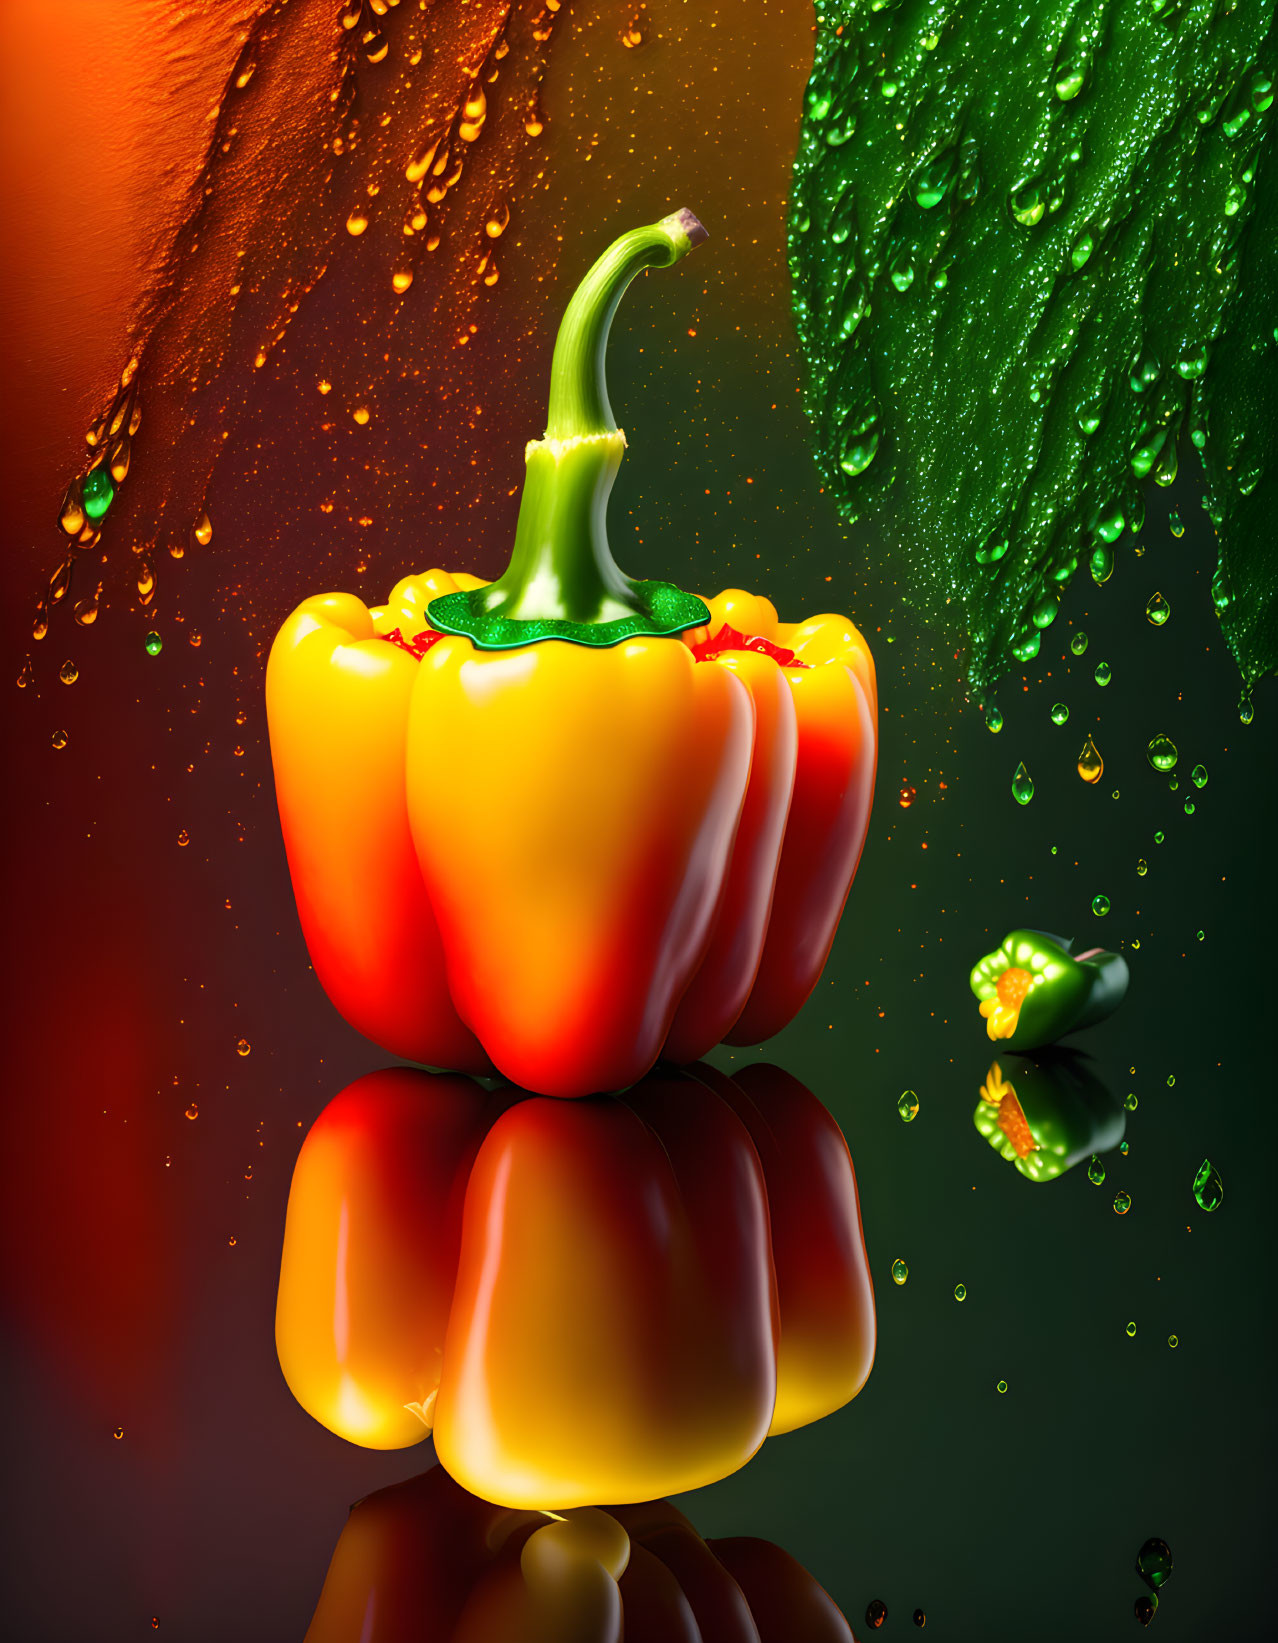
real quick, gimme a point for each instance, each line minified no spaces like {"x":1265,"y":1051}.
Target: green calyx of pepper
{"x":562,"y":581}
{"x":1033,"y":990}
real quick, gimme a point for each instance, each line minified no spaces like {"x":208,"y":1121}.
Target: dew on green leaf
{"x":1246,"y":712}
{"x":1209,"y":1189}
{"x":1189,"y":807}
{"x":1022,"y":785}
{"x":908,"y":1106}
{"x":1104,"y":673}
{"x":1171,"y":1080}
{"x":1162,"y":752}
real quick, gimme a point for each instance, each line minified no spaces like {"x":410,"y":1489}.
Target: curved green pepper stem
{"x":562,"y":581}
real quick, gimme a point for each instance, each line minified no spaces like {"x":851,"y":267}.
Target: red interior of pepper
{"x":729,"y":639}
{"x":418,"y":645}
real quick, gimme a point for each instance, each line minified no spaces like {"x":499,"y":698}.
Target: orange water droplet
{"x":498,"y":222}
{"x":193,"y":1111}
{"x":27,"y":675}
{"x":68,"y":672}
{"x":184,"y":838}
{"x":324,"y":385}
{"x":908,"y":795}
{"x":242,"y":1046}
{"x":202,"y":530}
{"x":58,"y":739}
{"x":356,"y":223}
{"x":401,"y":279}
{"x":360,"y":413}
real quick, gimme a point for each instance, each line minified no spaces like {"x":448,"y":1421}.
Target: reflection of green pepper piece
{"x":1034,"y":991}
{"x":1046,"y":1114}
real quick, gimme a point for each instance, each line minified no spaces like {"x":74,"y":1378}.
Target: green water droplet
{"x":1124,"y":1147}
{"x":1131,"y":1328}
{"x":859,"y":453}
{"x":1045,"y":611}
{"x":934,"y":181}
{"x":1026,"y":645}
{"x":1154,"y":1562}
{"x":908,"y":1106}
{"x":1198,"y":775}
{"x":1162,"y":752}
{"x":1174,"y":784}
{"x":1189,"y":807}
{"x":154,"y":644}
{"x":1209,"y":1190}
{"x":991,"y":551}
{"x":1060,"y":713}
{"x":1142,"y":867}
{"x":1001,"y":1388}
{"x":993,"y":719}
{"x":1173,"y":1341}
{"x":1071,"y":81}
{"x":1193,"y":365}
{"x":1104,"y":673}
{"x":1130,"y":1101}
{"x":1158,"y":610}
{"x":902,"y":274}
{"x":1096,"y":1171}
{"x":1176,"y":523}
{"x":1100,"y":905}
{"x":1078,"y":644}
{"x":960,"y":1292}
{"x":900,"y":1272}
{"x":1246,"y":712}
{"x":1171,"y":1081}
{"x":1262,"y":91}
{"x":1027,"y":202}
{"x":1022,"y":784}
{"x":1158,"y":837}
{"x":97,"y":492}
{"x":1080,"y":251}
{"x":1122,"y":1203}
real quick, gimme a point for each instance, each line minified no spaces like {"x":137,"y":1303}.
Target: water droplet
{"x":1130,"y":1101}
{"x":1078,"y":644}
{"x":68,"y":673}
{"x":875,"y":1613}
{"x":1091,"y":767}
{"x":184,"y":838}
{"x":1122,"y":1203}
{"x":153,"y":643}
{"x":1001,"y":1387}
{"x":360,"y":414}
{"x":356,"y":223}
{"x":993,"y":719}
{"x":71,"y":514}
{"x":1189,"y":807}
{"x":231,"y":1240}
{"x":1162,"y":752}
{"x":1246,"y":712}
{"x":920,"y":1619}
{"x":98,"y":492}
{"x":1124,"y":1147}
{"x":1173,"y":1341}
{"x":1209,"y":1189}
{"x":901,"y":272}
{"x":193,"y":1111}
{"x":1028,"y":201}
{"x":908,"y":1106}
{"x":118,"y":1433}
{"x":1158,"y":610}
{"x":1131,"y":1328}
{"x":1100,"y":905}
{"x":242,"y":1046}
{"x":907,"y":795}
{"x":1104,"y":673}
{"x":934,"y":181}
{"x":1154,"y":1561}
{"x":1144,"y":1608}
{"x":26,"y":674}
{"x":401,"y":279}
{"x":58,"y":740}
{"x":1096,"y":1171}
{"x":960,"y":1292}
{"x":1022,"y":785}
{"x":202,"y":530}
{"x":1171,"y":1081}
{"x":900,"y":1272}
{"x":1198,"y":775}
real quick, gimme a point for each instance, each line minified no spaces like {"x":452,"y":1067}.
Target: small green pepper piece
{"x":1033,"y":990}
{"x":1047,"y":1113}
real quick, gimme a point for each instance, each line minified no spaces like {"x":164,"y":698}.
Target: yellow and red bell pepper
{"x":424,"y":1560}
{"x":609,"y":1299}
{"x":567,"y":822}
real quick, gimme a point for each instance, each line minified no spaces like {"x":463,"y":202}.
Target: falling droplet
{"x":1144,"y":1609}
{"x":1060,"y":713}
{"x":1022,"y":784}
{"x":1104,"y":673}
{"x":1209,"y":1189}
{"x":1096,"y":1171}
{"x":1154,"y":1562}
{"x":908,"y":1106}
{"x":993,"y":719}
{"x":1078,"y":644}
{"x":875,"y":1613}
{"x":1001,"y":1387}
{"x":1198,"y":775}
{"x":58,"y":740}
{"x":154,"y":644}
{"x":960,"y":1292}
{"x":1158,"y":610}
{"x":68,"y":673}
{"x":202,"y":530}
{"x":1122,"y":1203}
{"x":1091,"y":767}
{"x":1101,"y":563}
{"x":1100,"y":905}
{"x":1176,"y":523}
{"x":1162,"y":752}
{"x":1246,"y":712}
{"x":1131,"y":1329}
{"x":242,"y":1046}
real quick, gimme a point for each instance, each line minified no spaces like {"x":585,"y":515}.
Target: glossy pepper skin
{"x":624,"y":822}
{"x":595,"y":1300}
{"x":1033,"y":990}
{"x":1047,"y":1112}
{"x":424,"y":1560}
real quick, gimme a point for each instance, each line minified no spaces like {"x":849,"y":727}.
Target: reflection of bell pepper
{"x":599,"y":1300}
{"x":570,"y":816}
{"x":1034,"y":991}
{"x":423,"y":1560}
{"x":1044,"y":1114}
